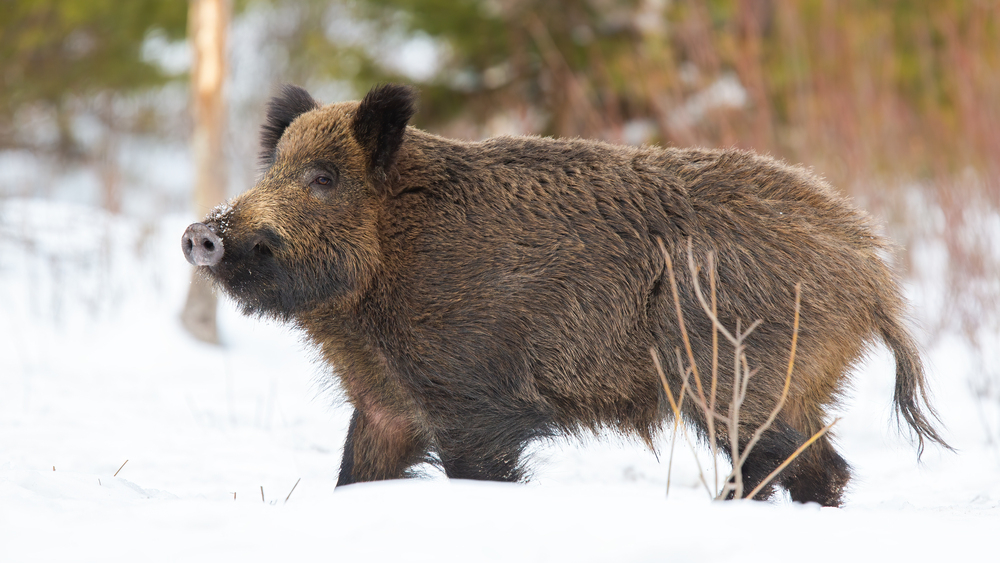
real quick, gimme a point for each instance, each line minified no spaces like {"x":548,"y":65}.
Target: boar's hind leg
{"x":379,"y":446}
{"x":819,"y":475}
{"x":774,"y":446}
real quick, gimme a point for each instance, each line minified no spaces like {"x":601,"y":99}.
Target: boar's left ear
{"x":380,"y":124}
{"x":281,"y":112}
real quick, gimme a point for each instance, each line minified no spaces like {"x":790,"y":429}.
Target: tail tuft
{"x":910,"y":396}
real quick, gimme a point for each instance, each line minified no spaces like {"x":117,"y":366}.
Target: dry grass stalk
{"x":715,"y":372}
{"x":293,"y":489}
{"x":693,"y":369}
{"x":116,"y":472}
{"x":686,"y":386}
{"x":788,"y":380}
{"x":742,"y":374}
{"x":680,"y":319}
{"x":675,"y":406}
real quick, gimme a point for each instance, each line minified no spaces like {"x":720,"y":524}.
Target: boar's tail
{"x":910,"y":396}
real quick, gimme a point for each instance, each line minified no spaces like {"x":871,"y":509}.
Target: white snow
{"x":95,"y":369}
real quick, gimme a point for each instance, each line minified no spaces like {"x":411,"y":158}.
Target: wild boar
{"x":472,"y":297}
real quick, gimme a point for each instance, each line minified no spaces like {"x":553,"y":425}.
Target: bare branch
{"x":293,"y":489}
{"x":715,"y":373}
{"x":674,"y":406}
{"x":701,"y":298}
{"x":747,"y":374}
{"x":736,"y":475}
{"x":788,"y":379}
{"x":663,"y":379}
{"x":741,"y":378}
{"x":680,"y":318}
{"x":687,"y":387}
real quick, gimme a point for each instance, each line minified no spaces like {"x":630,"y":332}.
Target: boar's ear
{"x":281,"y":112}
{"x":380,"y":124}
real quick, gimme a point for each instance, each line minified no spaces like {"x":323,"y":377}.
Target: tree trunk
{"x":207,"y":23}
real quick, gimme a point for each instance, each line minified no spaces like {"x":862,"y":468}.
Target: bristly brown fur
{"x":473,"y":297}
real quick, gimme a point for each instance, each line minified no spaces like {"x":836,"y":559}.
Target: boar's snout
{"x":201,"y":246}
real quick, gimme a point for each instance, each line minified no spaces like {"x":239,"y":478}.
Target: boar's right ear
{"x":380,"y":124}
{"x":281,"y":112}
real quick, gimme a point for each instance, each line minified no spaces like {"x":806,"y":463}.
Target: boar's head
{"x":305,"y":235}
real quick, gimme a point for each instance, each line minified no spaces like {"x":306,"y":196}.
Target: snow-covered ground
{"x":95,"y":370}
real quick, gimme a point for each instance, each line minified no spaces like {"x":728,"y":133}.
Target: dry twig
{"x":788,"y":380}
{"x":741,"y":379}
{"x":675,"y":407}
{"x":293,"y":489}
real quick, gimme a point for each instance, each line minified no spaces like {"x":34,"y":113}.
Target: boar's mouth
{"x":261,"y":272}
{"x":252,"y":274}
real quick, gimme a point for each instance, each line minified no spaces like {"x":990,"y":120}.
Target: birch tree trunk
{"x":207,"y":24}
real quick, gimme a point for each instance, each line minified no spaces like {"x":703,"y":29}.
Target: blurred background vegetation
{"x":896,"y":102}
{"x":863,"y":90}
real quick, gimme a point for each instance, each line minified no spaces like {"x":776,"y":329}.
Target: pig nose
{"x":201,"y":246}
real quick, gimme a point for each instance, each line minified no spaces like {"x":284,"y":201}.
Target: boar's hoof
{"x":201,"y":246}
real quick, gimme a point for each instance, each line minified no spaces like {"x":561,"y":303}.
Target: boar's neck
{"x":427,"y":161}
{"x":352,"y":341}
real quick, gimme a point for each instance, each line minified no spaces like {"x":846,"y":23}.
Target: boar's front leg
{"x":489,"y":445}
{"x":474,"y":457}
{"x":379,"y":446}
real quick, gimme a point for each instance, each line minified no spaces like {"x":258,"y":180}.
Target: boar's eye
{"x":322,"y":178}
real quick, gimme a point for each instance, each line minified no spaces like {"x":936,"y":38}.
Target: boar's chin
{"x":264,"y":285}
